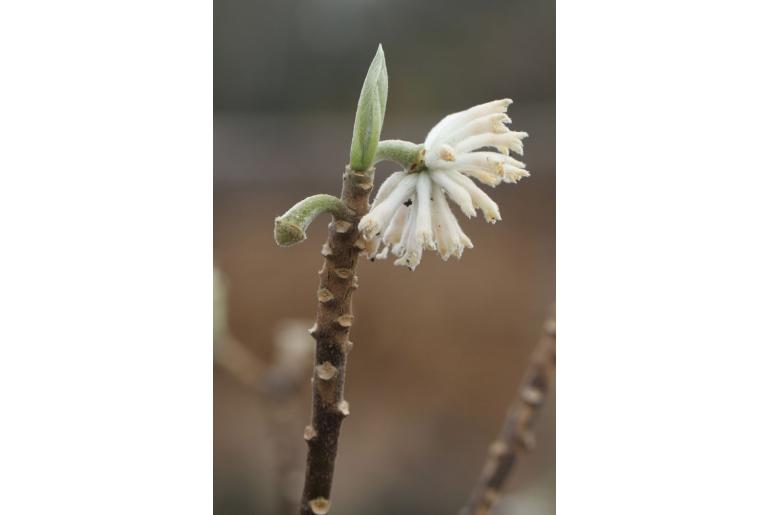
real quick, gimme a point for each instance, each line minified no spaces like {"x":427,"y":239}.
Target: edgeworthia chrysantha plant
{"x":410,"y":214}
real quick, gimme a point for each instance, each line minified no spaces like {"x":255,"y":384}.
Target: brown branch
{"x":516,"y":436}
{"x":333,"y":321}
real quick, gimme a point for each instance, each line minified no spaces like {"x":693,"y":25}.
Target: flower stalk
{"x":516,"y":436}
{"x":407,"y":154}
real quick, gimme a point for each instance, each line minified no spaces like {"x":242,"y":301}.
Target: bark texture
{"x":334,"y":319}
{"x":516,"y":436}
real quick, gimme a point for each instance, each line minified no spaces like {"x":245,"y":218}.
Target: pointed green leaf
{"x":370,"y":114}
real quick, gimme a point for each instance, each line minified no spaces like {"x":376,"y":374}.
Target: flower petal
{"x":450,"y":238}
{"x":371,"y":247}
{"x":409,"y":248}
{"x":491,"y":160}
{"x":442,"y":229}
{"x":483,"y":176}
{"x":492,"y":123}
{"x":455,"y":121}
{"x":411,"y":219}
{"x":396,"y":227}
{"x":387,"y":187}
{"x":423,"y":228}
{"x":513,"y":174}
{"x":478,"y":165}
{"x":480,"y":199}
{"x":379,"y":217}
{"x":383,"y":254}
{"x":456,"y":192}
{"x":509,"y":140}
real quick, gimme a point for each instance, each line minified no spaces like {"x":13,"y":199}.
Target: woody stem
{"x":334,"y":318}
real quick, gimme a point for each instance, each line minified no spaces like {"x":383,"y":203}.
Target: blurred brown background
{"x":438,"y":352}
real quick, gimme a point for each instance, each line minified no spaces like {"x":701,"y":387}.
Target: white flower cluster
{"x":410,"y":212}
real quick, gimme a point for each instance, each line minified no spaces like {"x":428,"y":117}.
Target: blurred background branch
{"x":517,"y":434}
{"x":280,"y":386}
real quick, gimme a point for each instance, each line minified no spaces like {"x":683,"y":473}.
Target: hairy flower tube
{"x":411,"y":213}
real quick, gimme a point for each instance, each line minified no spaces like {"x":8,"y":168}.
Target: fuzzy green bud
{"x":291,"y":226}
